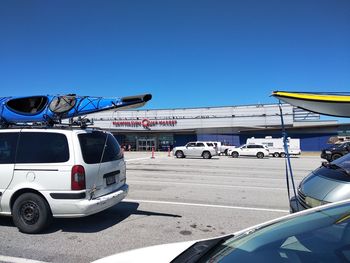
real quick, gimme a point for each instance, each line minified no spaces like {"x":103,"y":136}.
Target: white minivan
{"x":58,"y":172}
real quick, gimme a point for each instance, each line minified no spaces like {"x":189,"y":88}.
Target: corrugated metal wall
{"x":227,"y":139}
{"x":308,"y":142}
{"x":314,"y":142}
{"x":182,"y":139}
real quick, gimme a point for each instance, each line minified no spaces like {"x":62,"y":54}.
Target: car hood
{"x":332,"y":148}
{"x":326,"y":184}
{"x":154,"y":254}
{"x":168,"y":252}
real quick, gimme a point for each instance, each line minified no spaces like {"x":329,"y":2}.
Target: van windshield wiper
{"x":335,"y":167}
{"x":199,"y":249}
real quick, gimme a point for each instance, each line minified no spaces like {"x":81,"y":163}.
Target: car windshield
{"x":343,"y":162}
{"x":321,"y":236}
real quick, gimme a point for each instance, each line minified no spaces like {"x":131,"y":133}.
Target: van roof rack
{"x":79,"y":122}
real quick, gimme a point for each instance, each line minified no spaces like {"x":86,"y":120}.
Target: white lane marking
{"x":18,"y":260}
{"x":183,"y":174}
{"x":208,"y":185}
{"x":207,"y":205}
{"x":138,"y":159}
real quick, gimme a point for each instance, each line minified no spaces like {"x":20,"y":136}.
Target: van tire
{"x":31,"y":213}
{"x":260,"y":155}
{"x":234,"y":154}
{"x":206,"y":155}
{"x":179,"y":154}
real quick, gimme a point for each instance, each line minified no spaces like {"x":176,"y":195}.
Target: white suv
{"x":258,"y":150}
{"x":58,"y":172}
{"x":196,"y":149}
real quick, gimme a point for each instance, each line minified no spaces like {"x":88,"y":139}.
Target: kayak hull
{"x":327,"y":104}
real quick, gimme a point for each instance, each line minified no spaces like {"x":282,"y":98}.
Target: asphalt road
{"x":170,"y":200}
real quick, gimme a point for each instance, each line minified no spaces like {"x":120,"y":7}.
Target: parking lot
{"x":170,"y":200}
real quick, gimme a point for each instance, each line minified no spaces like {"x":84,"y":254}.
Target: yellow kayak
{"x":333,"y":104}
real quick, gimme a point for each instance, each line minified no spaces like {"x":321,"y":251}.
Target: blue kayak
{"x":52,"y":109}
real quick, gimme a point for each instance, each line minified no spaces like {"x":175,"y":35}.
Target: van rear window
{"x":92,"y":145}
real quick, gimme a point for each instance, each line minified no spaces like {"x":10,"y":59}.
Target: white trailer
{"x":275,"y":145}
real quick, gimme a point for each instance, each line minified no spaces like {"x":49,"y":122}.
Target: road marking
{"x":18,"y":260}
{"x":207,"y":205}
{"x":138,"y":159}
{"x":209,"y":185}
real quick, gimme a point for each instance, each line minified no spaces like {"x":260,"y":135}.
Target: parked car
{"x":316,"y":235}
{"x":196,"y":149}
{"x":335,"y":151}
{"x":328,"y":183}
{"x":221,"y":148}
{"x":224,"y":149}
{"x":276,"y":145}
{"x":258,"y":150}
{"x":56,"y":172}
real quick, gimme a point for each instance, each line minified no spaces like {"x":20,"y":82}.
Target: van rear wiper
{"x":335,"y":167}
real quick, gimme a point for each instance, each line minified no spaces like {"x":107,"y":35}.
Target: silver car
{"x":327,"y":184}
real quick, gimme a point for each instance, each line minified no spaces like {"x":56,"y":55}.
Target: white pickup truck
{"x":222,"y":149}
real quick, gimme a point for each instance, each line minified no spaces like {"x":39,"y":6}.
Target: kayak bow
{"x":333,"y":104}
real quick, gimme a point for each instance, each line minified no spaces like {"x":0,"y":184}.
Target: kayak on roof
{"x":52,"y":109}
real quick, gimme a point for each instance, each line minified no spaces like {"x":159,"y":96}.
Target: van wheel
{"x":260,"y":155}
{"x":276,"y":155}
{"x":282,"y":155}
{"x":234,"y":154}
{"x":336,"y":156}
{"x":206,"y":155}
{"x":31,"y":213}
{"x":179,"y":154}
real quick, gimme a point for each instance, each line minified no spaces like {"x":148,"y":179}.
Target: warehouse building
{"x":231,"y":125}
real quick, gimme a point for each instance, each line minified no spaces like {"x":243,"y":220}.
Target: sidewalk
{"x":314,"y":154}
{"x":136,"y":154}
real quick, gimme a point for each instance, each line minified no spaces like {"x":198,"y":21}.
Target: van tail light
{"x":78,"y":178}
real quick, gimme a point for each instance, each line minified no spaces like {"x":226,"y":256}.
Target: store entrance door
{"x":146,"y":144}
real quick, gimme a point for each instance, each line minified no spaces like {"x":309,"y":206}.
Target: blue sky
{"x":187,"y":53}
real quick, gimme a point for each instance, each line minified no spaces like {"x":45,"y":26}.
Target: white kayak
{"x":333,"y":104}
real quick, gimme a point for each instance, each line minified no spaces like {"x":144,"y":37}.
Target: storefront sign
{"x":145,"y":123}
